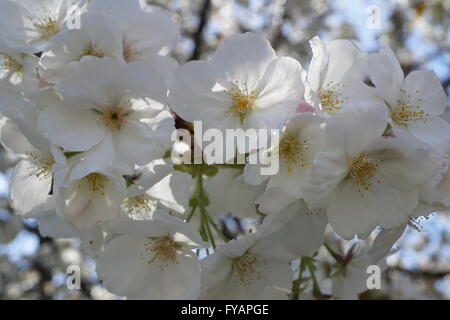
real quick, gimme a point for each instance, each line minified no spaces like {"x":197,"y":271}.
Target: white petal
{"x":193,"y":96}
{"x":273,"y":200}
{"x":143,"y":229}
{"x":123,"y":253}
{"x":351,"y":214}
{"x":328,"y":171}
{"x":243,"y":58}
{"x":344,"y":60}
{"x":140,"y":142}
{"x":426,"y":86}
{"x":384,"y":241}
{"x":90,"y":83}
{"x":404,"y":164}
{"x":146,"y":280}
{"x":319,"y":62}
{"x":29,"y":190}
{"x":281,"y":83}
{"x":173,"y":191}
{"x":386,"y":74}
{"x":356,"y":127}
{"x":12,"y":139}
{"x":291,"y":233}
{"x":71,"y":128}
{"x":435,"y":132}
{"x":50,"y":225}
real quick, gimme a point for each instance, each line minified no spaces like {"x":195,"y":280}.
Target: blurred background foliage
{"x":33,"y":267}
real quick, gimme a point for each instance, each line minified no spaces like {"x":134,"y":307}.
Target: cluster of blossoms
{"x":90,"y":109}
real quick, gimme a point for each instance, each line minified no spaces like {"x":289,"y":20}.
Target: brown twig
{"x":198,"y":36}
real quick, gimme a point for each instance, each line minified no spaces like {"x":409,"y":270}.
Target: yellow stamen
{"x":362,"y":172}
{"x":47,"y":26}
{"x":41,"y":165}
{"x":10,"y":64}
{"x":96,"y":181}
{"x":331,"y":99}
{"x":408,"y":111}
{"x":138,"y":204}
{"x":292,"y":150}
{"x":163,"y":249}
{"x":114,"y":116}
{"x":245,"y":268}
{"x":92,"y":51}
{"x":243,"y":100}
{"x":130,"y":54}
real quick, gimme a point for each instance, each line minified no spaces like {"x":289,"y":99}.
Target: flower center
{"x":408,"y":111}
{"x":42,"y":166}
{"x":330,"y":98}
{"x":293,"y":151}
{"x":114,"y":117}
{"x":164,"y":249}
{"x":95,"y":181}
{"x":245,"y":268}
{"x":243,"y":100}
{"x":362,"y":171}
{"x":130,"y":54}
{"x":93,"y":51}
{"x":138,"y":204}
{"x":47,"y":26}
{"x":9,"y":64}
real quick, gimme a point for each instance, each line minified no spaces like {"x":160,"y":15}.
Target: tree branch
{"x":198,"y":36}
{"x":420,"y":273}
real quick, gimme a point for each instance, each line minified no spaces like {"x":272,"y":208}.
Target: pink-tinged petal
{"x":303,"y":106}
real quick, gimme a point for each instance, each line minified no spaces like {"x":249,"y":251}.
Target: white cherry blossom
{"x":352,"y":280}
{"x":301,"y":136}
{"x":335,"y":76}
{"x":114,"y":113}
{"x":366,"y":180}
{"x":240,"y":269}
{"x":99,"y":36}
{"x":244,"y":85}
{"x":415,"y":102}
{"x":18,"y":68}
{"x":28,"y":25}
{"x":158,"y":256}
{"x":157,"y":185}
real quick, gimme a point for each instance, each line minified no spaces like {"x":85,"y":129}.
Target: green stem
{"x":316,"y":288}
{"x":199,"y":200}
{"x":216,"y":228}
{"x":296,"y":284}
{"x":204,"y":217}
{"x":191,"y":214}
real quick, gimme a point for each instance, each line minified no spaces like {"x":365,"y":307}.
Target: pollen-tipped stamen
{"x":362,"y":172}
{"x":331,"y":99}
{"x":113,"y":116}
{"x":245,"y":268}
{"x":163,"y":249}
{"x":138,"y":204}
{"x":96,"y":181}
{"x":41,"y":165}
{"x":292,"y":150}
{"x":243,"y":100}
